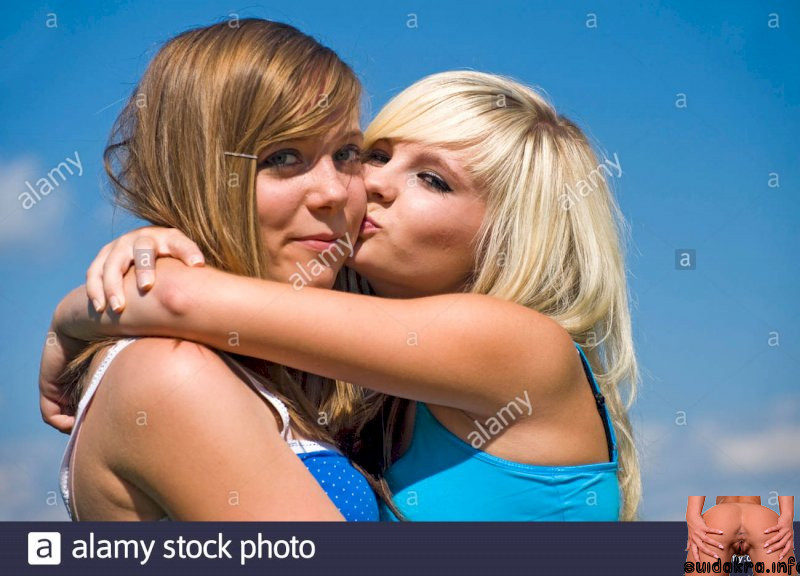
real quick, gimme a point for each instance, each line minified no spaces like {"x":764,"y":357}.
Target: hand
{"x":698,"y":537}
{"x":54,"y":404}
{"x":784,"y":539}
{"x":142,"y":247}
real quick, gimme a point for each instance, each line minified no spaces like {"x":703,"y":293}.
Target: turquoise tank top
{"x":443,"y":478}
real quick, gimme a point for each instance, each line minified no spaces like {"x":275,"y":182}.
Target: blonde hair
{"x":181,"y":155}
{"x":541,"y":244}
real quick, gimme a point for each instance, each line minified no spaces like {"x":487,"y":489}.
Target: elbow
{"x":69,"y":309}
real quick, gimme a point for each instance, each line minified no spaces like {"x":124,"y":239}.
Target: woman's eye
{"x":348,"y":155}
{"x":376,"y":157}
{"x":282,"y":159}
{"x":435,"y":182}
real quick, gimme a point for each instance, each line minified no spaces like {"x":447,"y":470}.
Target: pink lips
{"x":368,"y":227}
{"x":319,"y":242}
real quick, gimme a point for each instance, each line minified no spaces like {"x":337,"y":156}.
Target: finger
{"x":144,"y":260}
{"x":183,"y":248}
{"x":779,"y":545}
{"x":62,"y":422}
{"x":712,"y":531}
{"x":698,"y":540}
{"x":695,"y":553}
{"x":94,"y":278}
{"x":772,"y":540}
{"x":53,"y":415}
{"x":712,"y":542}
{"x":117,"y":264}
{"x":786,"y":549}
{"x":708,"y":551}
{"x":772,"y":529}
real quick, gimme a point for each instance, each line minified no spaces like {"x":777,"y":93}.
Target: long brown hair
{"x":180,"y":155}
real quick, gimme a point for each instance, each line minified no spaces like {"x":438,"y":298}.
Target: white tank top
{"x":65,"y":480}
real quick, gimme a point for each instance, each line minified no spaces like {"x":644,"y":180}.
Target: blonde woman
{"x":170,"y":429}
{"x":496,"y":292}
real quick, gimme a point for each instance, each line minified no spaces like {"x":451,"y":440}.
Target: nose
{"x":329,"y":187}
{"x":380,"y":184}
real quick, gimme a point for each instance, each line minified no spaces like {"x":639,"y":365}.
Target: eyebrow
{"x":346,"y":136}
{"x":433,"y":158}
{"x":350,"y":135}
{"x":354,"y":133}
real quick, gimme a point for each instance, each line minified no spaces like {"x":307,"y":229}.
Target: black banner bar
{"x":385,"y":549}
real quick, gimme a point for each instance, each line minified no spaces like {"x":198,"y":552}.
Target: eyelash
{"x":356,"y":153}
{"x":436,"y":182}
{"x":431,"y":179}
{"x":269,"y":162}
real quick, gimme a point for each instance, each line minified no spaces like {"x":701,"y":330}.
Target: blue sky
{"x":719,"y":407}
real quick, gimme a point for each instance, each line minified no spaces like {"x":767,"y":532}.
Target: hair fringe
{"x":559,"y":255}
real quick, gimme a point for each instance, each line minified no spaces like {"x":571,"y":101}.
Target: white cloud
{"x":40,"y":225}
{"x":773,"y":450}
{"x":741,"y":453}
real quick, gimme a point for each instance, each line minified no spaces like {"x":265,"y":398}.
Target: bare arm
{"x":786,"y":506}
{"x":783,"y":541}
{"x":695,"y":505}
{"x":172,"y":419}
{"x":698,"y":540}
{"x":467,"y":351}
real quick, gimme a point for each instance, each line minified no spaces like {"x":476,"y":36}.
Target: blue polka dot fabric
{"x":344,"y":485}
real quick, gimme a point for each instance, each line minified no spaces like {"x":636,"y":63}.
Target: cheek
{"x":356,"y":202}
{"x":277,"y":202}
{"x":442,"y":229}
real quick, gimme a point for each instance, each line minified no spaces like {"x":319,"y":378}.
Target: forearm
{"x":695,"y":506}
{"x":77,"y":319}
{"x":442,"y":349}
{"x":786,"y":506}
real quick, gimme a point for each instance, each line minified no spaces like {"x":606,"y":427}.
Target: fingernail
{"x":721,"y":547}
{"x":145,"y":279}
{"x":195,"y":260}
{"x":96,"y":304}
{"x":715,"y":556}
{"x":114,"y":302}
{"x":769,"y":551}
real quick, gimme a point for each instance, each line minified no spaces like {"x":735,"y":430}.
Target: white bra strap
{"x":118,"y":347}
{"x":275,"y":402}
{"x":308,"y":446}
{"x":65,"y":476}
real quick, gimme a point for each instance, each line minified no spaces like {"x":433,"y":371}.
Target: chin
{"x":359,"y":261}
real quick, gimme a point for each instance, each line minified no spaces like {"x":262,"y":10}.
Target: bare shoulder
{"x":508,"y":349}
{"x":174,"y":372}
{"x":174,"y":390}
{"x":173,"y":420}
{"x":547,"y":353}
